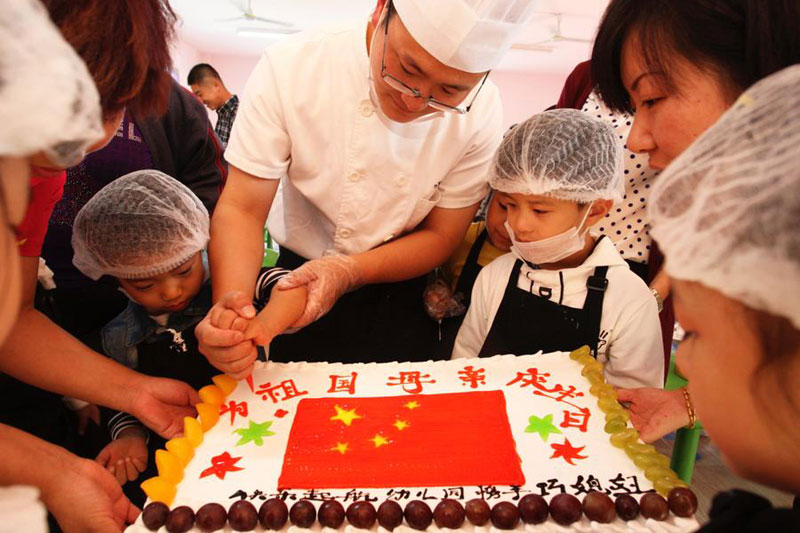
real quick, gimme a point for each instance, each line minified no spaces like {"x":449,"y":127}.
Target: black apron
{"x":466,"y":280}
{"x":377,"y":323}
{"x":526,"y":323}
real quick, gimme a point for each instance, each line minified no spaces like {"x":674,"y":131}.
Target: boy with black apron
{"x":560,"y":288}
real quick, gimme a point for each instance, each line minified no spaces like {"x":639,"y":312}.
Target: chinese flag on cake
{"x":401,"y":441}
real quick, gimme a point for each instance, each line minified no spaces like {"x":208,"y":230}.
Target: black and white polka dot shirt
{"x":626,"y":224}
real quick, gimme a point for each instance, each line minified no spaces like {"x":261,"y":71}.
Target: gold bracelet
{"x":689,"y":409}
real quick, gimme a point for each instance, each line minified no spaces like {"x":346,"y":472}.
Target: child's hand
{"x":284,"y":308}
{"x":220,"y":335}
{"x":440,"y":302}
{"x":86,"y":413}
{"x":126,"y":456}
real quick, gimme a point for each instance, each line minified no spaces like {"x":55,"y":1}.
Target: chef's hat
{"x":48,"y":101}
{"x":726,"y":212}
{"x":468,"y":35}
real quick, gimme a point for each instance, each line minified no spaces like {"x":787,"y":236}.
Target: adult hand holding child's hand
{"x":326,"y":280}
{"x":220,"y":335}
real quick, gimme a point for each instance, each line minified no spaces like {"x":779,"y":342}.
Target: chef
{"x":366,"y":149}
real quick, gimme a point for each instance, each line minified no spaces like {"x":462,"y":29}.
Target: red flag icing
{"x":426,"y":440}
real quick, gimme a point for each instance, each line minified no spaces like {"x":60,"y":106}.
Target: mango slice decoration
{"x":209,"y":415}
{"x":212,"y":394}
{"x":182,"y":448}
{"x":159,"y":489}
{"x":226,"y":383}
{"x":170,"y":468}
{"x":193,"y":431}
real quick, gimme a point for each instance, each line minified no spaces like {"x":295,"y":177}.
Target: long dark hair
{"x":741,"y":41}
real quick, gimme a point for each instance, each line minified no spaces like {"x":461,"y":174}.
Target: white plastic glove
{"x":327,"y":279}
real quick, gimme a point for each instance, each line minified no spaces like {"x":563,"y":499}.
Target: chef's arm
{"x":420,"y":251}
{"x":237,"y":232}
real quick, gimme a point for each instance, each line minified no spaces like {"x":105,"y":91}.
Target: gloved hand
{"x":326,"y":279}
{"x":440,"y":302}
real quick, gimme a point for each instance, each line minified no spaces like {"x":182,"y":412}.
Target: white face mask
{"x":551,"y":249}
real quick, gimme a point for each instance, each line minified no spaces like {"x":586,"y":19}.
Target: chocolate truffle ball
{"x":449,"y":513}
{"x":682,"y":502}
{"x":361,"y":515}
{"x":331,"y":514}
{"x":533,"y":509}
{"x":390,"y":514}
{"x":597,"y":506}
{"x":242,"y":516}
{"x":303,"y":513}
{"x":180,"y":519}
{"x":211,"y":517}
{"x":627,"y":507}
{"x":505,"y":515}
{"x":477,"y":511}
{"x":654,"y":506}
{"x":273,"y":514}
{"x":418,"y":514}
{"x":155,"y":515}
{"x":565,"y":509}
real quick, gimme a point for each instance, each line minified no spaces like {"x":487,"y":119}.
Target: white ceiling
{"x":202,"y":27}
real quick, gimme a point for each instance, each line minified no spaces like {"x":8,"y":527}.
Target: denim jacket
{"x":121,"y":336}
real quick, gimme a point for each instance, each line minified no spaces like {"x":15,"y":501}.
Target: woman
{"x":125,"y":46}
{"x":59,"y":126}
{"x":678,"y":66}
{"x":727,"y":212}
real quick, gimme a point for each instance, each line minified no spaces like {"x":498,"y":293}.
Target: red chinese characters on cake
{"x":234,"y":408}
{"x":285,"y":390}
{"x":397,"y":441}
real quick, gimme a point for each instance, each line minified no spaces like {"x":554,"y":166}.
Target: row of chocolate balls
{"x":531,"y":509}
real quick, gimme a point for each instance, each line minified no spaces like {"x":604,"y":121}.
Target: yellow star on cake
{"x":346,"y":416}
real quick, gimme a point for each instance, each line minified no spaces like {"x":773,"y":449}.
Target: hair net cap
{"x":564,"y":154}
{"x":726,"y":212}
{"x":468,"y":35}
{"x":140,"y":225}
{"x":48,"y":100}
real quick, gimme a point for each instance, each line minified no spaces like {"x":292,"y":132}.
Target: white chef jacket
{"x":351,"y":178}
{"x":630,"y":334}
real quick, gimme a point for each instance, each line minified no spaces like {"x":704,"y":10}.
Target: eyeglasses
{"x":398,"y":85}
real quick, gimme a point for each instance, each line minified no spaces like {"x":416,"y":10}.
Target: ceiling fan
{"x":248,"y":15}
{"x":547,"y":44}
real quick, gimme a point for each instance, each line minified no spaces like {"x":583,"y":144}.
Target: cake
{"x":535,"y":442}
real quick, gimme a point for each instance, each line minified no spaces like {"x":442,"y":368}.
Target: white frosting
{"x":262,"y":464}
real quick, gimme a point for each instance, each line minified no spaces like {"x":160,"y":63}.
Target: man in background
{"x":208,"y":87}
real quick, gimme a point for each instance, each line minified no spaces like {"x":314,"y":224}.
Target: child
{"x":448,"y":297}
{"x":556,"y":175}
{"x":149,"y":231}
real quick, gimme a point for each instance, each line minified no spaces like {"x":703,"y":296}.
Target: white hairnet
{"x":48,"y":100}
{"x":726,"y":212}
{"x":140,"y":225}
{"x":564,"y":154}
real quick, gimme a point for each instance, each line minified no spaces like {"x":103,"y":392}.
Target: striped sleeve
{"x":121,"y":421}
{"x":266,"y":280}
